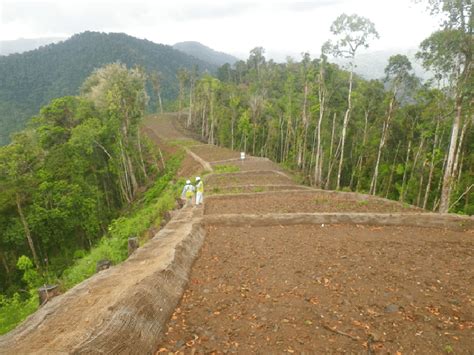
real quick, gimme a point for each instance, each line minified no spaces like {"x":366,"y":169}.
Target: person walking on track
{"x":188,"y":193}
{"x":199,"y":191}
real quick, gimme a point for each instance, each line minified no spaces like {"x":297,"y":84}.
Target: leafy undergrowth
{"x":13,"y":310}
{"x":145,"y":214}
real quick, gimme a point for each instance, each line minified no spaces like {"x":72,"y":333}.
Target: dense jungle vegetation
{"x":77,"y":173}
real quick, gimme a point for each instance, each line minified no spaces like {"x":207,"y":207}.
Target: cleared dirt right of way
{"x":337,"y":288}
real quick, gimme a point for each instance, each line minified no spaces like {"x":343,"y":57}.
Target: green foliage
{"x":66,"y":177}
{"x":158,"y":199}
{"x":30,"y":275}
{"x":15,"y":309}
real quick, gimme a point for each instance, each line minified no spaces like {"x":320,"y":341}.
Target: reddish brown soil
{"x":251,"y":189}
{"x":212,"y":153}
{"x":306,"y":202}
{"x":189,"y":167}
{"x":251,"y":164}
{"x":252,"y":178}
{"x":328,"y":289}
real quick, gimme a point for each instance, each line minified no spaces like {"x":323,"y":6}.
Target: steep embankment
{"x":272,"y":274}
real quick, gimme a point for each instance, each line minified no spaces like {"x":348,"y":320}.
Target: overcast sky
{"x":235,"y":26}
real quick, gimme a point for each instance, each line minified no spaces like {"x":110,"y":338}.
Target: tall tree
{"x":352,"y":32}
{"x":449,"y":52}
{"x":397,"y":75}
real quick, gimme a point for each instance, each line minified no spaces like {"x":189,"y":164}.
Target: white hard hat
{"x":188,"y":181}
{"x":198,"y":178}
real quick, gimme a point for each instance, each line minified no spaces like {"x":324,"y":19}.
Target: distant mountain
{"x":371,"y":65}
{"x":205,"y":53}
{"x":31,"y":79}
{"x":26,"y":44}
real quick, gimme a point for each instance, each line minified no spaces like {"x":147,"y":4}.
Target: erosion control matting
{"x":327,"y":289}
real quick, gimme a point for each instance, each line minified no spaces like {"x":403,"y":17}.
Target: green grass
{"x":219,"y":169}
{"x":183,"y":142}
{"x":13,"y":310}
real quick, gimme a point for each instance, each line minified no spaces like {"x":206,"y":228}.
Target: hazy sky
{"x":235,"y":26}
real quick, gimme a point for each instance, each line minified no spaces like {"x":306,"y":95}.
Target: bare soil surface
{"x":164,"y":134}
{"x":328,"y":289}
{"x":260,"y":178}
{"x":252,"y":189}
{"x":212,"y":153}
{"x":301,"y":201}
{"x":250,"y":164}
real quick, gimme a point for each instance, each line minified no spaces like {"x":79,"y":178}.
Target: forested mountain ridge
{"x":31,"y":79}
{"x":26,"y":44}
{"x":205,"y":53}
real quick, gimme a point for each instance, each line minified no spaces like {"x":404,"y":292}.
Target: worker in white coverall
{"x":188,"y":193}
{"x":199,"y":191}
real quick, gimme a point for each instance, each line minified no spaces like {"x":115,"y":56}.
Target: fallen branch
{"x":460,"y":197}
{"x":325,"y":326}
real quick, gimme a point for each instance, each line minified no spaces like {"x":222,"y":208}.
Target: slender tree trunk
{"x":211,"y":113}
{"x":331,"y":164}
{"x":420,"y":185}
{"x":432,"y":165}
{"x":459,"y":149}
{"x":405,"y":171}
{"x":344,"y":129}
{"x":26,"y":228}
{"x":190,"y":115}
{"x":448,"y":173}
{"x":331,"y":158}
{"x":415,"y":162}
{"x":317,"y":167}
{"x":142,"y":161}
{"x":392,"y":171}
{"x":5,"y":264}
{"x":232,"y":124}
{"x":440,"y":183}
{"x":161,"y":104}
{"x":385,"y":127}
{"x":362,"y":153}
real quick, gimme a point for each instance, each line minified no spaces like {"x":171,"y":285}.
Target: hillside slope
{"x":275,"y":280}
{"x":205,"y":53}
{"x":31,"y":79}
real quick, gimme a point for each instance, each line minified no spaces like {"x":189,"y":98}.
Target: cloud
{"x":301,"y":6}
{"x":205,"y":11}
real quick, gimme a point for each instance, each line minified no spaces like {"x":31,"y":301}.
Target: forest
{"x":31,"y":79}
{"x":77,"y":173}
{"x":398,"y":138}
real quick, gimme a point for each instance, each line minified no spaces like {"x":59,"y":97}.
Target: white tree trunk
{"x":344,"y":129}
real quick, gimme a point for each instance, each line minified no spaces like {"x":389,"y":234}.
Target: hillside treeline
{"x":397,"y":137}
{"x":30,"y":80}
{"x":78,"y":164}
